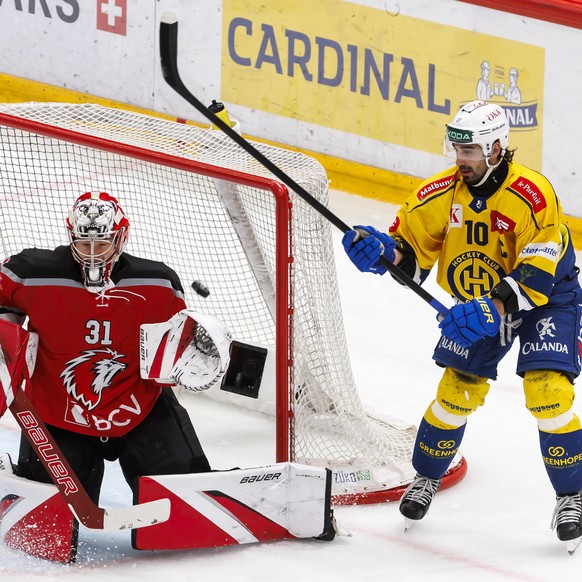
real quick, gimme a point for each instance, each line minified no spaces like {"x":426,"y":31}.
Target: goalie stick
{"x":169,"y":63}
{"x":63,"y":476}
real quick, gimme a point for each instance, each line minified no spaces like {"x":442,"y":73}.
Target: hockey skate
{"x":567,"y":520}
{"x":417,"y":498}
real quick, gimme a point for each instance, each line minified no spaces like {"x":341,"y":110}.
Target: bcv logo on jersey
{"x":120,"y":416}
{"x":85,"y":378}
{"x":87,"y":375}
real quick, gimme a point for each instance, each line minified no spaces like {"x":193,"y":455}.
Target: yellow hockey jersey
{"x":515,"y":233}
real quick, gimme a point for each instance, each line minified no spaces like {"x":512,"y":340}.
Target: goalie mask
{"x":98,"y":231}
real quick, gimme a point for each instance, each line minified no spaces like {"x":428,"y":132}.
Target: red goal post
{"x":202,"y":205}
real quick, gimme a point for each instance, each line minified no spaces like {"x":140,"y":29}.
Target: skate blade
{"x":408,"y":523}
{"x":572,"y":545}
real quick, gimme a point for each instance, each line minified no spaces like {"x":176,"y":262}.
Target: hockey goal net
{"x":201,"y":204}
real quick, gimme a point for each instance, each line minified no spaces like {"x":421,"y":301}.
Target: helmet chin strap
{"x":490,"y":169}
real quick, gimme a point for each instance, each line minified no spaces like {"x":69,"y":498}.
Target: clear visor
{"x":463,"y":151}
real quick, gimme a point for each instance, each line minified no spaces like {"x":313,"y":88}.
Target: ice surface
{"x":493,"y":526}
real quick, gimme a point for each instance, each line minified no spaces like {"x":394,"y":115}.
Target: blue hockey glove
{"x":365,"y":245}
{"x":467,"y":323}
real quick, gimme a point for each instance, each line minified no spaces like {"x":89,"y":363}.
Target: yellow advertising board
{"x":376,"y":74}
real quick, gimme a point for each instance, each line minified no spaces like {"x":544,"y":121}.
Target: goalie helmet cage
{"x":204,"y":206}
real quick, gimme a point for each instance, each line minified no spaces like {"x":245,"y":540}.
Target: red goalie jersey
{"x":87,"y":377}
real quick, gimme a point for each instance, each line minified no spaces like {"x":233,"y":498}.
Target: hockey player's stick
{"x":63,"y":476}
{"x":169,"y":61}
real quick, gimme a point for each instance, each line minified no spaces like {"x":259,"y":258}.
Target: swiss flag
{"x":112,"y":16}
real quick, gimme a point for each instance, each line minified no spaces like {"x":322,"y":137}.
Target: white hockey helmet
{"x":478,"y":122}
{"x":98,"y":231}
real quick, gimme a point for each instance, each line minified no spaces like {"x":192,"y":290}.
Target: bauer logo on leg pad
{"x":260,"y":477}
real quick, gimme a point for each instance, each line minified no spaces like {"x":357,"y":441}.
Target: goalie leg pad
{"x":34,"y":517}
{"x":282,"y":501}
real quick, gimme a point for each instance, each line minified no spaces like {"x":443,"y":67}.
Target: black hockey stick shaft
{"x":169,"y":62}
{"x":67,"y":482}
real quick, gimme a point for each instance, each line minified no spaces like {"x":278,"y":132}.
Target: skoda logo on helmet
{"x":459,"y":135}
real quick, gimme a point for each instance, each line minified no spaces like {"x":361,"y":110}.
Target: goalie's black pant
{"x":164,"y":443}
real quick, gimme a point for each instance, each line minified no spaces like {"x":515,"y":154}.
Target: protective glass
{"x":463,"y":151}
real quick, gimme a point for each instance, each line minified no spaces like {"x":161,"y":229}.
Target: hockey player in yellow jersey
{"x":495,"y":227}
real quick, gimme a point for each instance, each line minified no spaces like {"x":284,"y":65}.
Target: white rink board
{"x":58,"y":42}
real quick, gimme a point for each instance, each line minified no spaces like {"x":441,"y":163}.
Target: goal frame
{"x":284,"y":355}
{"x":283,"y":217}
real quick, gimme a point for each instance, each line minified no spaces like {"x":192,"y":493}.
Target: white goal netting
{"x":201,"y":204}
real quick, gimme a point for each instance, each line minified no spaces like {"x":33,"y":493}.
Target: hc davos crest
{"x":87,"y":375}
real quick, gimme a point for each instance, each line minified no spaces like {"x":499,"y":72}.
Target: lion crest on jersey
{"x":87,"y":375}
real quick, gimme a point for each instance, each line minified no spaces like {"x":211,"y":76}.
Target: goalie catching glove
{"x":190,"y":350}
